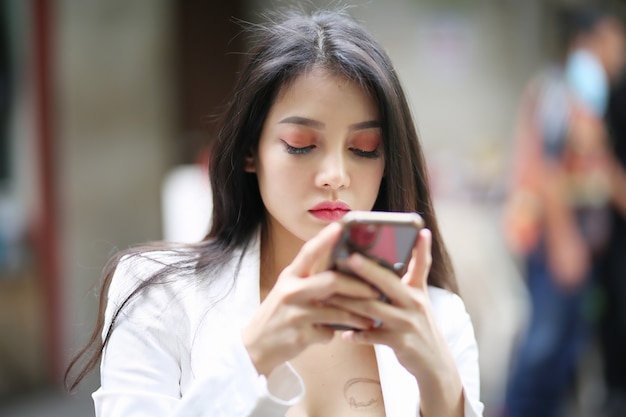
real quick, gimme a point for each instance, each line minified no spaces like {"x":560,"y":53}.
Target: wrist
{"x":441,"y":394}
{"x":256,"y":353}
{"x":441,"y":388}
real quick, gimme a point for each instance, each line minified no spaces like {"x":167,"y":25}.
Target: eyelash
{"x":297,"y":151}
{"x":366,"y":154}
{"x":304,"y":150}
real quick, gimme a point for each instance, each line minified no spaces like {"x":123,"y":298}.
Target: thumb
{"x":421,"y":259}
{"x":315,"y":253}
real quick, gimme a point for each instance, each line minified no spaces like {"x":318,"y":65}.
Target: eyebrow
{"x":303,"y":121}
{"x":370,"y":124}
{"x":315,"y":124}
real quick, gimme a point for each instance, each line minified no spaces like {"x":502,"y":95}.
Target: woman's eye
{"x":366,"y":154}
{"x":295,"y":150}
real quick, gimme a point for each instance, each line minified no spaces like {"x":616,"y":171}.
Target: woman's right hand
{"x":294,"y":316}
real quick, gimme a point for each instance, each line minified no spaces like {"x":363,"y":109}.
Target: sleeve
{"x":145,"y":360}
{"x":553,"y":117}
{"x":465,"y":351}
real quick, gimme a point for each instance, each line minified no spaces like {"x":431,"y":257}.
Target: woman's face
{"x":320,"y":154}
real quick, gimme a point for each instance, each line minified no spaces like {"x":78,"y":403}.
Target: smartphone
{"x":386,"y":237}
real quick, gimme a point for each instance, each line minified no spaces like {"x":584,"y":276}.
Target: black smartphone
{"x":386,"y":237}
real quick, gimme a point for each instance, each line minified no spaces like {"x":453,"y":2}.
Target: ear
{"x":249,"y":162}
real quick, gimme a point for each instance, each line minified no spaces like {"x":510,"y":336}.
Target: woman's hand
{"x":294,"y":314}
{"x":408,"y":327}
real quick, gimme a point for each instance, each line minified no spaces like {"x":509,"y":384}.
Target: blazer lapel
{"x":399,"y":387}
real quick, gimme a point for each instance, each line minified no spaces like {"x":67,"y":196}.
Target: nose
{"x":333,"y":173}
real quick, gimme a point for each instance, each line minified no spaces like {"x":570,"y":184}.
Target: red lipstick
{"x":330,"y":210}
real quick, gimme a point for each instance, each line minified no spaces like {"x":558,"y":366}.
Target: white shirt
{"x":176,"y":349}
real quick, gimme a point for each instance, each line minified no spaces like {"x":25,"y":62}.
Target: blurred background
{"x":103,"y":103}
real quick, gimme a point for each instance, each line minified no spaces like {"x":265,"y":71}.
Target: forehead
{"x":317,"y":90}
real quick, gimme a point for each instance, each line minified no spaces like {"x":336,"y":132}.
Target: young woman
{"x":239,"y":324}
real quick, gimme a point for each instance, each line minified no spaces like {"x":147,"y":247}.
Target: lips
{"x":330,"y":210}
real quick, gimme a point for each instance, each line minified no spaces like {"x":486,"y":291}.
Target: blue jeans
{"x":546,"y":358}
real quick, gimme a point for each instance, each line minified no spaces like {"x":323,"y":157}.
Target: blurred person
{"x":613,"y":270}
{"x":238,"y":324}
{"x":556,"y":217}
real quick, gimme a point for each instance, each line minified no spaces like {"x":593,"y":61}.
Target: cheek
{"x":376,"y":172}
{"x":277,"y":172}
{"x":367,"y":180}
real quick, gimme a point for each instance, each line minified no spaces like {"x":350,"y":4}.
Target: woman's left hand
{"x":408,"y":323}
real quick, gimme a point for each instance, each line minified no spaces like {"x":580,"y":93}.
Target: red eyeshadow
{"x":297,"y":138}
{"x":367,"y":141}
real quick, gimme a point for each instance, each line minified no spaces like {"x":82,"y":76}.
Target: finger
{"x":421,"y":260}
{"x":327,"y":315}
{"x":321,"y":333}
{"x":315,"y":253}
{"x":380,"y":336}
{"x":376,"y":311}
{"x":369,"y":337}
{"x":329,"y":283}
{"x":383,"y":279}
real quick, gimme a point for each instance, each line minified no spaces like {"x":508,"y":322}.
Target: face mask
{"x":588,"y":81}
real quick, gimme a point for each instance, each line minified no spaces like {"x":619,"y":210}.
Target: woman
{"x":239,"y":324}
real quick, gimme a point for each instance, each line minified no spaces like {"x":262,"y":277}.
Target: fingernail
{"x":356,"y":259}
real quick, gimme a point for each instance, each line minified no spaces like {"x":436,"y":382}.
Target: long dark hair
{"x":281,"y":51}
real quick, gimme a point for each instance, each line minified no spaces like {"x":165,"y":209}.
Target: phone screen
{"x":389,"y":244}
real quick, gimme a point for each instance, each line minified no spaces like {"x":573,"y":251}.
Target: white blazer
{"x":176,"y":350}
